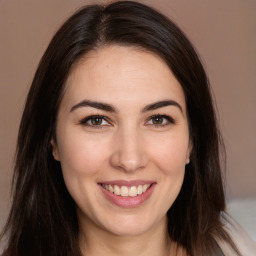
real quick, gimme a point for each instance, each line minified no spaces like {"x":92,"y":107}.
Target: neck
{"x":95,"y":241}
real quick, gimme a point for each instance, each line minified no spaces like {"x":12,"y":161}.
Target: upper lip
{"x":127,"y":183}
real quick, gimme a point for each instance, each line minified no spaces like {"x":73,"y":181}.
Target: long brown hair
{"x":43,"y":219}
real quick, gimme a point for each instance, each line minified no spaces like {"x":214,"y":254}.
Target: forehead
{"x":112,"y":73}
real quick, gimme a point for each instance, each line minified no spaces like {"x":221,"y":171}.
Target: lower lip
{"x":128,"y":202}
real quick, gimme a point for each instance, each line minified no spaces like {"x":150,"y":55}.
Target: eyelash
{"x":169,"y":120}
{"x":84,"y":122}
{"x":93,"y":117}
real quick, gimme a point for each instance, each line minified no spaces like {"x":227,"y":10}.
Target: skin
{"x":125,"y":145}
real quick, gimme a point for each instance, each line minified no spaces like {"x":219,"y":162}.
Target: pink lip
{"x":128,"y":202}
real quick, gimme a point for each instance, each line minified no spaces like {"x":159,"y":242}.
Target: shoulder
{"x":242,"y":240}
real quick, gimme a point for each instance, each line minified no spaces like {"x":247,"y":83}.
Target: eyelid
{"x":85,"y":120}
{"x":169,"y":119}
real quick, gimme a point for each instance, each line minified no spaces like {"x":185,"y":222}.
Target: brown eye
{"x":157,"y":120}
{"x":96,"y":121}
{"x":160,"y":120}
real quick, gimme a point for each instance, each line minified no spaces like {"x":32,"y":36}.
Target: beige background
{"x":223,"y":31}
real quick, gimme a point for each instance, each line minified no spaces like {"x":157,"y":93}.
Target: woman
{"x":118,"y":148}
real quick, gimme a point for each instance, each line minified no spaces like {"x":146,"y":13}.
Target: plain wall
{"x":224,"y":33}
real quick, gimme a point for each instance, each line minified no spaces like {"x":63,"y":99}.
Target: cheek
{"x":169,"y":158}
{"x":170,"y":155}
{"x":82,"y":161}
{"x":81,"y":156}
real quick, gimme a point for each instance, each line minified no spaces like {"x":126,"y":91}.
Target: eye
{"x":95,"y":120}
{"x":160,"y":120}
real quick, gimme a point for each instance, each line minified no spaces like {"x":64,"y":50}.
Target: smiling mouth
{"x":125,"y":191}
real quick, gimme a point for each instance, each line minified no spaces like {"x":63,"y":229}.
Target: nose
{"x":129,"y":152}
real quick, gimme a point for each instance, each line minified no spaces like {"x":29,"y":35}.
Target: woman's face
{"x":122,"y":139}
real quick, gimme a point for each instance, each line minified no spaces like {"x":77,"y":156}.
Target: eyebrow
{"x":161,"y":104}
{"x":94,"y":104}
{"x":110,"y":108}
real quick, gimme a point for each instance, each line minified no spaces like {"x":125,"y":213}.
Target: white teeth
{"x":116,"y":190}
{"x":111,"y":189}
{"x":125,"y":191}
{"x":145,"y":187}
{"x":139,"y":189}
{"x":133,"y":191}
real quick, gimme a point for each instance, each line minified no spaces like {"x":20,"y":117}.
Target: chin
{"x":125,"y":231}
{"x":130,"y":226}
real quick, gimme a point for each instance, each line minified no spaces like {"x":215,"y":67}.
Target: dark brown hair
{"x":43,"y":219}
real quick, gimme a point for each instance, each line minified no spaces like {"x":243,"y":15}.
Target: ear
{"x":55,"y":151}
{"x":189,"y":150}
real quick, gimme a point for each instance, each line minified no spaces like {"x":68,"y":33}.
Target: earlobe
{"x":189,"y":151}
{"x":55,"y":151}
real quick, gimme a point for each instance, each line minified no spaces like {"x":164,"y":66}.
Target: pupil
{"x":96,"y":121}
{"x":158,"y":120}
